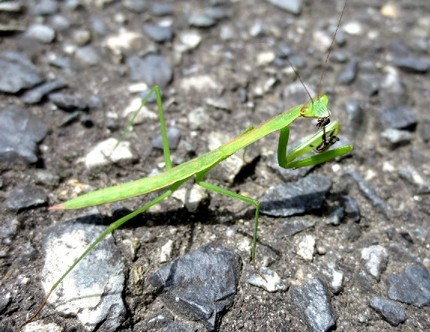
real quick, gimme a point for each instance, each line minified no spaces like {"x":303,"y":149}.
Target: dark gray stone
{"x":217,"y":13}
{"x":158,"y":33}
{"x":153,"y":69}
{"x":41,"y":32}
{"x":173,"y":135}
{"x":356,"y":118}
{"x":411,"y":286}
{"x":313,"y":303}
{"x":294,"y":198}
{"x":200,"y":285}
{"x":25,"y":197}
{"x":36,"y":94}
{"x":413,"y":64}
{"x":201,"y":21}
{"x":20,"y":131}
{"x":370,"y":193}
{"x":351,"y":208}
{"x":137,"y":6}
{"x":391,"y":311}
{"x":68,"y":102}
{"x":17,"y":72}
{"x":349,"y":73}
{"x":398,"y":117}
{"x":44,"y":7}
{"x":161,"y":9}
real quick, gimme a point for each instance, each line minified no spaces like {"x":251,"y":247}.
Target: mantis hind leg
{"x":108,"y":230}
{"x":245,"y":199}
{"x":166,"y":148}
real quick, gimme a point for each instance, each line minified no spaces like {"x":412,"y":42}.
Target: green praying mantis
{"x":318,"y":145}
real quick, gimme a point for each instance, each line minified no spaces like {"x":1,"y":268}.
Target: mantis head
{"x":316,"y":108}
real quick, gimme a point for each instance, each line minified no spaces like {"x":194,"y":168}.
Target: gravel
{"x":353,"y":254}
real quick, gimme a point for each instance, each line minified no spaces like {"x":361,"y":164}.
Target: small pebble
{"x":109,"y":152}
{"x":88,"y":55}
{"x":306,"y":248}
{"x":173,"y":136}
{"x":161,"y":9}
{"x":376,"y":258}
{"x":158,"y":33}
{"x":271,"y":282}
{"x":391,"y":311}
{"x":396,"y":137}
{"x":201,"y":21}
{"x":42,"y":33}
{"x":353,"y":28}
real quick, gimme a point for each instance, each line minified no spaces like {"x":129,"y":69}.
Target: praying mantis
{"x":318,"y":145}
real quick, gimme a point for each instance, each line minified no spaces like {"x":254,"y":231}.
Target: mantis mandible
{"x":318,"y":144}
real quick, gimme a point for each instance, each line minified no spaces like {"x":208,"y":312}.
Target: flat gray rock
{"x":298,"y":197}
{"x":391,"y":311}
{"x":24,"y":197}
{"x":200,"y":285}
{"x":411,"y":286}
{"x":153,"y":69}
{"x":17,"y":72}
{"x":93,"y":290}
{"x":313,"y":302}
{"x":35,"y":95}
{"x":20,"y":131}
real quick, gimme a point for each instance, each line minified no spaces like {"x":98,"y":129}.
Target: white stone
{"x":353,"y":28}
{"x":376,"y":258}
{"x":265,"y":58}
{"x":191,"y":198}
{"x":199,"y":83}
{"x":306,"y":247}
{"x":143,"y":113}
{"x":107,"y":152}
{"x":92,"y":290}
{"x":40,"y":326}
{"x":166,"y":251}
{"x":271,"y":281}
{"x":190,"y":39}
{"x":122,"y":41}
